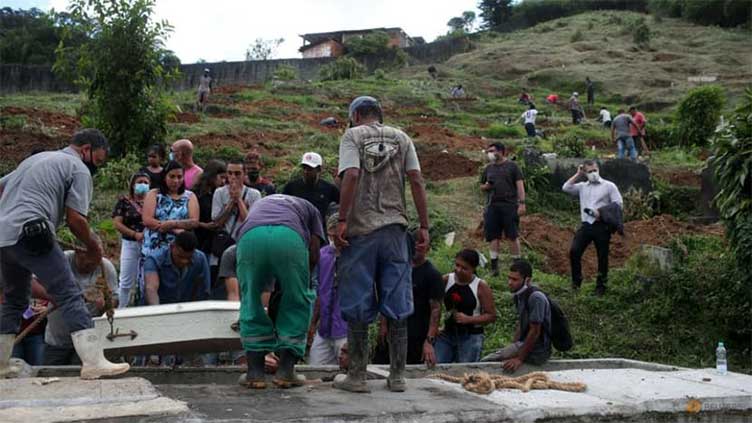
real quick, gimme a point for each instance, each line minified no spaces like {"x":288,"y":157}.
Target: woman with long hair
{"x":168,"y":210}
{"x":128,"y":221}
{"x":214,"y":176}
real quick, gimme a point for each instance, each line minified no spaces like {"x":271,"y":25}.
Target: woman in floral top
{"x":128,"y":221}
{"x":168,"y":210}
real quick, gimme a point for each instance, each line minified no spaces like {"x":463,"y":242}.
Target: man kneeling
{"x":532,"y":338}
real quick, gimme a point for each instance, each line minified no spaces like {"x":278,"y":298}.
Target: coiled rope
{"x":483,"y":383}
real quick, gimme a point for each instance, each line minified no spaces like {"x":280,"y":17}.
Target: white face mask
{"x":593,"y":177}
{"x":491,"y":157}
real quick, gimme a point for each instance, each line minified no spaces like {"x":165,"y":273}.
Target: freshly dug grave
{"x":437,"y":166}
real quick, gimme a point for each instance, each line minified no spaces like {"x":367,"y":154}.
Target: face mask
{"x":90,"y":165}
{"x":172,"y":156}
{"x":141,"y":189}
{"x":491,"y":157}
{"x":593,"y":177}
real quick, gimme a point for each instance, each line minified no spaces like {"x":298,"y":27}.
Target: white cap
{"x":206,"y":70}
{"x":312,"y":159}
{"x":576,"y":94}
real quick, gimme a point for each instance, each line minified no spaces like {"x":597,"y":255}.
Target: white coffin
{"x":201,"y":326}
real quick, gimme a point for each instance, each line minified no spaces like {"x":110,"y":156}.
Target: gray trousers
{"x":54,"y":273}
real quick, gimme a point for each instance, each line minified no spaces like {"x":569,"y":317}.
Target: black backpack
{"x":561,"y":337}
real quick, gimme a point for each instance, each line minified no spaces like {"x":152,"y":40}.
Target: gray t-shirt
{"x":621,"y":125}
{"x":537,"y":310}
{"x":228,"y":264}
{"x":57,"y":333}
{"x":42,"y":186}
{"x":285,"y":210}
{"x":384,"y":155}
{"x":220,"y":200}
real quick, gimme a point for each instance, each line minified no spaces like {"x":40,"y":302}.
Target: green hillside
{"x":672,"y":317}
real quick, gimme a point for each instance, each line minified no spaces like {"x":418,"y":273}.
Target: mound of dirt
{"x":441,"y":166}
{"x":553,"y":241}
{"x":268,"y":143}
{"x":16,"y":145}
{"x":62,"y":124}
{"x":680,"y":177}
{"x":186,"y":117}
{"x":439,"y":136}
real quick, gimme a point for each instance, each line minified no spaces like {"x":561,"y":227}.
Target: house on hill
{"x":332,"y":44}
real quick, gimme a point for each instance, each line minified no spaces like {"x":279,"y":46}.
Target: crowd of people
{"x":312,"y":267}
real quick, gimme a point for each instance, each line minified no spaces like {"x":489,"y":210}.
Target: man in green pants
{"x":280,"y":240}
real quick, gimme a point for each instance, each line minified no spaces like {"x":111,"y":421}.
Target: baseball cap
{"x":206,"y":70}
{"x":575,"y":94}
{"x":362,"y":101}
{"x":312,"y":159}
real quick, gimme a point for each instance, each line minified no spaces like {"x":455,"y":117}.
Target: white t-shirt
{"x":529,"y":116}
{"x":605,"y":116}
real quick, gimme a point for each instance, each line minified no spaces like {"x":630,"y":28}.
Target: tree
{"x":494,"y":13}
{"x":469,"y":17}
{"x":120,"y":68}
{"x":456,"y":24}
{"x":31,"y":36}
{"x":262,"y":49}
{"x":698,"y":114}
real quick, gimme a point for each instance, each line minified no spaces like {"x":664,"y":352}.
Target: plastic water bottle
{"x":720,"y":359}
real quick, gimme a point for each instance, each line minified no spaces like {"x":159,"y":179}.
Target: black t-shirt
{"x":264,"y":188}
{"x":320,"y":195}
{"x":155,"y":178}
{"x":428,"y":284}
{"x":204,"y":236}
{"x":131,"y":214}
{"x":503,"y":176}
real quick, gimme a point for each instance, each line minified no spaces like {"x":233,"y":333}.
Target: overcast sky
{"x":216,"y":30}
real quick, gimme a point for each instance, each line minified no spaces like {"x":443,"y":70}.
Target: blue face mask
{"x":141,"y":189}
{"x":172,"y":156}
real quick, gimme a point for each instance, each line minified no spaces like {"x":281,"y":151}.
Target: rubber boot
{"x":254,"y":377}
{"x":286,"y":376}
{"x":357,"y":348}
{"x":495,"y":267}
{"x":93,"y":363}
{"x":6,"y":349}
{"x":397,"y":355}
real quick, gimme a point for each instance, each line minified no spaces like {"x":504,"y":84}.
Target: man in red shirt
{"x":637,"y":131}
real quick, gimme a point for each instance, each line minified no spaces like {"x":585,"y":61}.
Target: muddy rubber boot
{"x":357,"y":348}
{"x":93,"y":363}
{"x":6,"y":349}
{"x":397,"y":355}
{"x":254,"y":377}
{"x":495,"y":267}
{"x":286,"y":376}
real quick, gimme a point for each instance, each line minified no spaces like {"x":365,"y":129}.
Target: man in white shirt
{"x":529,"y":119}
{"x":605,"y":117}
{"x":594,"y":194}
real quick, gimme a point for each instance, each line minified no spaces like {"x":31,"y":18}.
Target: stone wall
{"x":624,"y":173}
{"x":20,"y":78}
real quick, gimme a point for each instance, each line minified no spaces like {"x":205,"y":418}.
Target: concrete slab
{"x":72,"y":399}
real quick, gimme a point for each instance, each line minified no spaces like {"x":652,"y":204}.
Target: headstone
{"x":330,"y":122}
{"x":708,"y":191}
{"x":624,"y":173}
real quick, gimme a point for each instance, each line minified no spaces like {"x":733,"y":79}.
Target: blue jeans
{"x":30,"y":350}
{"x":374,"y":275}
{"x":54,"y":273}
{"x":620,"y":143}
{"x":458,"y":348}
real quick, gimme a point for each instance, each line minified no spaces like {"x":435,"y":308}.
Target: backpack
{"x":561,"y":337}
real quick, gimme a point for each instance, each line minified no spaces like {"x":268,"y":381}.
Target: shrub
{"x":498,"y":130}
{"x":732,"y":153}
{"x":342,"y":68}
{"x":116,"y":174}
{"x":661,"y":136}
{"x":120,"y":69}
{"x":638,"y":205}
{"x":569,"y":145}
{"x":577,"y":36}
{"x":641,"y":35}
{"x":698,"y":114}
{"x":379,"y":74}
{"x":285,"y":73}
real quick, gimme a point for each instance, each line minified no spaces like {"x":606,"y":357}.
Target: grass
{"x":677,"y":157}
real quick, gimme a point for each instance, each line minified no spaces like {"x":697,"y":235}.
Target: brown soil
{"x":441,"y":166}
{"x":187,"y":117}
{"x":230,"y":89}
{"x":553,"y":241}
{"x":438,"y":136}
{"x":16,"y":145}
{"x":60,"y":122}
{"x":266,"y":142}
{"x":314,"y":120}
{"x":680,"y":177}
